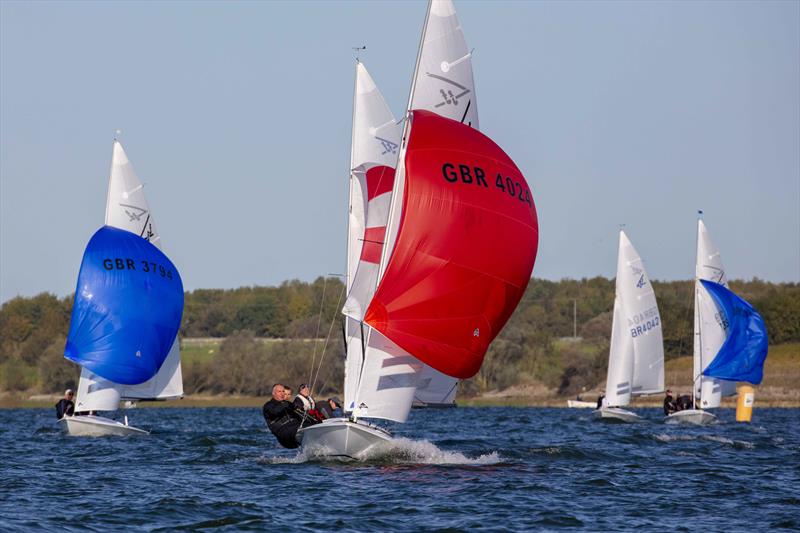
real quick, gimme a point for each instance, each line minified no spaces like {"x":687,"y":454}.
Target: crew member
{"x":65,"y":406}
{"x":684,"y":402}
{"x":669,"y":404}
{"x":303,"y":400}
{"x":600,"y":400}
{"x":282,"y":418}
{"x":330,"y":408}
{"x":304,"y":403}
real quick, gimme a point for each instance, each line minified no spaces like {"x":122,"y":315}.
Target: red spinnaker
{"x":464,"y":251}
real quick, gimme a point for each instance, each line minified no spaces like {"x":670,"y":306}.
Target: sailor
{"x":65,"y":406}
{"x":304,"y":403}
{"x":303,"y":400}
{"x":282,"y":418}
{"x":600,"y":399}
{"x":684,"y":402}
{"x":287,"y":393}
{"x":669,"y":404}
{"x":330,"y":408}
{"x":337,"y":407}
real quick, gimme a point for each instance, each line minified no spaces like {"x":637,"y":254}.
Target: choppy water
{"x":457,"y":469}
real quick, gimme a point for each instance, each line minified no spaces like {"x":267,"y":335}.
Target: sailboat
{"x":440,"y":296}
{"x":636,"y":355}
{"x":127,"y":312}
{"x":713,"y":333}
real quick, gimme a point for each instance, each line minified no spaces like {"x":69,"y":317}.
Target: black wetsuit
{"x":283,"y":421}
{"x":64,"y":407}
{"x":684,"y":402}
{"x":600,"y":400}
{"x":325,"y":409}
{"x":669,"y":406}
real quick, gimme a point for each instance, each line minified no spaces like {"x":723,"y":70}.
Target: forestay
{"x":709,"y":330}
{"x":636,"y":356}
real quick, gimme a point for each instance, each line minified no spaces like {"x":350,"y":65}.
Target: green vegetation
{"x":254,"y":336}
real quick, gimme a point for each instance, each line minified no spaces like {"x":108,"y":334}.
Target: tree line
{"x":536,"y":344}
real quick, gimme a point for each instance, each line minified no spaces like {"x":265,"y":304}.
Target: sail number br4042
{"x":467,"y":174}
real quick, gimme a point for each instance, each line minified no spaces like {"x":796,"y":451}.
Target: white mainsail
{"x":709,"y":329}
{"x":127,"y":208}
{"x":373,"y":384}
{"x":636,"y":355}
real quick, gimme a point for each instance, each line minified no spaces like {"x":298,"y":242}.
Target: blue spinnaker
{"x":127,"y":310}
{"x":742,"y":355}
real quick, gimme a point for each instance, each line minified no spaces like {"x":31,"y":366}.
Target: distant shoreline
{"x":488,"y":400}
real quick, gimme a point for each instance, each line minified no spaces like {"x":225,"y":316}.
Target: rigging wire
{"x":319,"y":322}
{"x":327,"y":339}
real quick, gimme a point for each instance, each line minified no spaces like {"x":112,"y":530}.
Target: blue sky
{"x":236,"y":115}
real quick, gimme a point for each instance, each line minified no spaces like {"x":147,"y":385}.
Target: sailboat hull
{"x":97,"y":426}
{"x":341,"y":437}
{"x":697,"y":417}
{"x":615,"y":414}
{"x":580,"y":404}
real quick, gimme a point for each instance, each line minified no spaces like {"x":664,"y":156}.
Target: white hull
{"x":339,"y":437}
{"x":579,"y":404}
{"x":97,"y":426}
{"x":615,"y":414}
{"x":691,"y":416}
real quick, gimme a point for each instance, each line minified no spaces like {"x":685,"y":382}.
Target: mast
{"x":697,"y":356}
{"x":348,"y":278}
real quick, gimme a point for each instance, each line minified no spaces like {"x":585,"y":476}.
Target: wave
{"x":398,"y":451}
{"x":664,"y":437}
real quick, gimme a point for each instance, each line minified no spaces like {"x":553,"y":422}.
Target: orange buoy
{"x":744,"y":405}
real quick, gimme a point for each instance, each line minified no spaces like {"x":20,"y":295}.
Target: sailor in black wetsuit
{"x":283,"y":419}
{"x":684,"y":402}
{"x":65,"y":406}
{"x":669,"y":404}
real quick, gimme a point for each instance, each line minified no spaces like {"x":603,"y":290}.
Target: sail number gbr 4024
{"x":467,"y":174}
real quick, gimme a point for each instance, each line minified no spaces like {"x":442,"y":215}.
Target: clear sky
{"x":236,"y":115}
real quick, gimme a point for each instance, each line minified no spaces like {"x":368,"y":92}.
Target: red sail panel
{"x":464,"y":251}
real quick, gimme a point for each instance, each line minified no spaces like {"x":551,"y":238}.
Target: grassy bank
{"x":780,"y":388}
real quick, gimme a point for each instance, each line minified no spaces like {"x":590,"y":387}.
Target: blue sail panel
{"x":742,"y":355}
{"x":127,"y":310}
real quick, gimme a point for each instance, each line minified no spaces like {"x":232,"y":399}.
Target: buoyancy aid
{"x":307,"y":401}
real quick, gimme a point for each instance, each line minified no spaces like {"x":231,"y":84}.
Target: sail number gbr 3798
{"x":476,"y":176}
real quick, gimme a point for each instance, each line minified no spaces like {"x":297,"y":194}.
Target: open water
{"x":457,"y":469}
